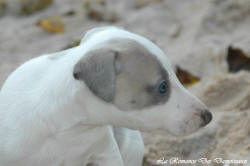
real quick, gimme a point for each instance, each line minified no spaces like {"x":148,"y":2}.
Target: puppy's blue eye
{"x":162,"y":87}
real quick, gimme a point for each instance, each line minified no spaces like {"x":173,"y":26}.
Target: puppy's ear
{"x":98,"y":70}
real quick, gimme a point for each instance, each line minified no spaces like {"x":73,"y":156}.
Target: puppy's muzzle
{"x":206,"y":116}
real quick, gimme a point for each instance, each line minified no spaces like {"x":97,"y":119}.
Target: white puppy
{"x":59,"y":109}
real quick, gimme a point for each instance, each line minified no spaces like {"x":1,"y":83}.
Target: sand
{"x":194,"y":35}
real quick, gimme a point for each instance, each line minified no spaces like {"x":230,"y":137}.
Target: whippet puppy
{"x":60,"y":109}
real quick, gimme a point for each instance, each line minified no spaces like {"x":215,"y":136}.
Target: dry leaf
{"x":52,"y":24}
{"x":186,"y":78}
{"x":237,"y":60}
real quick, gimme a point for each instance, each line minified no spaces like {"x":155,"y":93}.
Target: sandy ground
{"x":194,"y":35}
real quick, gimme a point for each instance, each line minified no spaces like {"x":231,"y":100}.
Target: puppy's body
{"x":44,"y":131}
{"x":53,"y":112}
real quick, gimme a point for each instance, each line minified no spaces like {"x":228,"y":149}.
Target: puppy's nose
{"x":207,"y":117}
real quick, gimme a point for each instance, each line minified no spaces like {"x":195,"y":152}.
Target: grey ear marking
{"x":117,"y":62}
{"x":97,"y":69}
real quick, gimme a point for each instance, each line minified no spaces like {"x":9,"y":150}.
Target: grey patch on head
{"x":139,"y":77}
{"x":123,"y":72}
{"x":97,"y":70}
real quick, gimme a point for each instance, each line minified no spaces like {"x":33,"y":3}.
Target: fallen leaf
{"x":52,"y":24}
{"x":186,"y":78}
{"x":237,"y":60}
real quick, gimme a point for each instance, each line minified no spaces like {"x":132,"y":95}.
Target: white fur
{"x":49,"y":118}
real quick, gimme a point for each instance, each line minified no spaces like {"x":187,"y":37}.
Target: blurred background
{"x":207,"y":43}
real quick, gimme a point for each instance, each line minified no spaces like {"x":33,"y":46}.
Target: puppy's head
{"x":146,"y":95}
